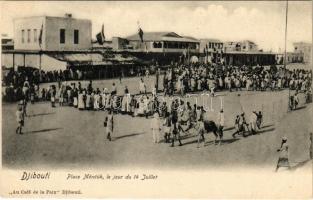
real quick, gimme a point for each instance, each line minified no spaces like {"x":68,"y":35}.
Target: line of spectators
{"x":183,"y":79}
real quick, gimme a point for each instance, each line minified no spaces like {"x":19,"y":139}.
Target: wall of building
{"x":304,"y":48}
{"x":148,"y":46}
{"x":292,"y":57}
{"x":249,"y":59}
{"x":248,"y":46}
{"x":119,"y":43}
{"x":211,"y":44}
{"x":51,"y":33}
{"x":31,"y":24}
{"x":244,"y":46}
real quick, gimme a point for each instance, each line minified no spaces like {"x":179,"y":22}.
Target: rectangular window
{"x":23,"y":36}
{"x":76,"y":36}
{"x":35,"y":35}
{"x":28,"y":36}
{"x":62,"y":36}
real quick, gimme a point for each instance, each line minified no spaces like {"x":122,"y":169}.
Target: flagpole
{"x":286,"y":34}
{"x":285,"y":58}
{"x":40,"y":51}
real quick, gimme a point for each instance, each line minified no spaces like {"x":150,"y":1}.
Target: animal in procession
{"x":210,"y":126}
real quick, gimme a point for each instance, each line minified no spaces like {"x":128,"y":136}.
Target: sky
{"x":260,"y":21}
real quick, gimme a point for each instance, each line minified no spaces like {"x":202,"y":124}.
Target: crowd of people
{"x":13,"y":80}
{"x":183,"y":79}
{"x":179,"y":79}
{"x":174,"y":116}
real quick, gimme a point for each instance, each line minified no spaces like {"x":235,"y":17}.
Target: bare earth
{"x":64,"y":137}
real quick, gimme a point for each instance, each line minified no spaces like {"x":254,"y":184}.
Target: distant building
{"x":305,"y":49}
{"x":107,"y":45}
{"x":58,"y":33}
{"x":251,"y":58}
{"x":244,"y":46}
{"x":212,"y":49}
{"x":162,"y":42}
{"x":211,"y":44}
{"x":7,"y":44}
{"x":292,"y":57}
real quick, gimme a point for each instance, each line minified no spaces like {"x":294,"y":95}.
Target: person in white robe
{"x":81,"y":105}
{"x":96,"y":102}
{"x":155,"y":128}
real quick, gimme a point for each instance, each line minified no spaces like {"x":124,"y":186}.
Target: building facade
{"x":243,"y":46}
{"x":292,"y":57}
{"x":212,"y":45}
{"x":7,"y":44}
{"x":238,"y":58}
{"x":58,"y":33}
{"x":305,"y":49}
{"x":157,"y":42}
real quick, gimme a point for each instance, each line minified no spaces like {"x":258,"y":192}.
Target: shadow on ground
{"x":126,"y":136}
{"x":299,"y":108}
{"x":41,"y":114}
{"x":42,"y":130}
{"x":299,"y":164}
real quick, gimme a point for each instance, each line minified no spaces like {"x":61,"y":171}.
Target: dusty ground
{"x":64,"y":137}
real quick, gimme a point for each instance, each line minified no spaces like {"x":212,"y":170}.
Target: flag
{"x":100,"y":36}
{"x":140,"y":33}
{"x":40,"y":36}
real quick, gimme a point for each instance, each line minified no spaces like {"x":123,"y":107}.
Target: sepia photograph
{"x":191,"y":86}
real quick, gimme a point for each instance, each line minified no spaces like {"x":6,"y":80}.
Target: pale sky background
{"x":260,"y":21}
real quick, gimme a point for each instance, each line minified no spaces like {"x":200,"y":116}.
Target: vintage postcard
{"x":156,"y":99}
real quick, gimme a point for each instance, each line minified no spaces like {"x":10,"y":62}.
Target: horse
{"x":210,"y":126}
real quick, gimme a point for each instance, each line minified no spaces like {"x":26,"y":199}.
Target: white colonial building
{"x":58,"y":33}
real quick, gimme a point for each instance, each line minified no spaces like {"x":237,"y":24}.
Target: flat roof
{"x":51,"y":17}
{"x":161,"y":36}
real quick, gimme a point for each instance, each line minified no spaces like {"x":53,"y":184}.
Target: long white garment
{"x":124,"y":103}
{"x":81,"y":101}
{"x":253,"y":119}
{"x":155,"y":126}
{"x":75,"y":103}
{"x":127,"y":103}
{"x":96,"y":101}
{"x":103,"y":99}
{"x":142,"y":87}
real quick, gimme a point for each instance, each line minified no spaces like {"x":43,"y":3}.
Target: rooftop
{"x":211,"y":40}
{"x":161,"y":36}
{"x":66,"y":16}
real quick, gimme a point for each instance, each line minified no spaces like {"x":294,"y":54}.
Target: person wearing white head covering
{"x":283,"y":160}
